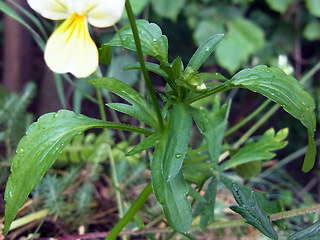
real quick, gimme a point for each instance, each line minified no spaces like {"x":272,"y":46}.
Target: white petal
{"x":104,"y":13}
{"x":71,"y":49}
{"x":51,"y":9}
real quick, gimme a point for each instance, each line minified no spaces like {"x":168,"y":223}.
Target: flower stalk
{"x":142,"y":63}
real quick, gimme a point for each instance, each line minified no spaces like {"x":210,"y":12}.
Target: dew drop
{"x":154,"y":40}
{"x":178,"y":155}
{"x":10,"y":194}
{"x":207,"y":49}
{"x":20,"y":150}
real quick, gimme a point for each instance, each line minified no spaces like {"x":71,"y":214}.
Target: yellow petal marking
{"x":71,"y":49}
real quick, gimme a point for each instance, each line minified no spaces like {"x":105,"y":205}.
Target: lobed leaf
{"x":249,"y":208}
{"x":268,"y":206}
{"x":38,"y":150}
{"x":285,"y":90}
{"x":260,"y":150}
{"x":153,"y":43}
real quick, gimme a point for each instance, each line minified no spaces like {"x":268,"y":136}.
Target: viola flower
{"x":70,"y":48}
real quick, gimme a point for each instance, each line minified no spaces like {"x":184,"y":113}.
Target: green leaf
{"x":206,"y":209}
{"x":139,"y":109}
{"x":310,"y":233}
{"x":215,"y":124}
{"x":105,"y":54}
{"x":152,"y":67}
{"x":206,"y":29}
{"x":118,"y":62}
{"x":249,"y":208}
{"x":204,"y":51}
{"x":243,"y":39}
{"x":280,"y":6}
{"x":260,"y":150}
{"x":211,"y":76}
{"x":312,"y":31}
{"x":153,"y":43}
{"x":197,"y":171}
{"x":137,"y":7}
{"x":177,"y":141}
{"x":249,"y":170}
{"x":38,"y":150}
{"x":145,"y":144}
{"x":267,"y":205}
{"x":313,"y":7}
{"x":167,"y":8}
{"x":171,"y":194}
{"x":285,"y":90}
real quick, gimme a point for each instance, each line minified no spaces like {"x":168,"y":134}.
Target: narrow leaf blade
{"x":145,"y":144}
{"x":171,"y":194}
{"x":140,"y":108}
{"x":311,"y":233}
{"x":206,"y":209}
{"x":204,"y":51}
{"x":177,"y":141}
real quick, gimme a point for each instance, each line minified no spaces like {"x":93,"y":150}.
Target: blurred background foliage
{"x":284,"y":33}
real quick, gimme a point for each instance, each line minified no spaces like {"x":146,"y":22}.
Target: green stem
{"x":101,"y":105}
{"x":116,"y":183}
{"x":29,"y":218}
{"x":131,"y":212}
{"x":248,"y":118}
{"x":67,"y":78}
{"x":142,"y":63}
{"x":256,"y":126}
{"x":309,"y":74}
{"x":295,"y":212}
{"x":121,"y":126}
{"x":218,"y":89}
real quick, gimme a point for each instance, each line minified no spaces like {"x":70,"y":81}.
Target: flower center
{"x":74,"y":26}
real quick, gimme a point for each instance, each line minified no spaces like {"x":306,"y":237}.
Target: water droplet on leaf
{"x":207,"y":49}
{"x":20,"y":150}
{"x":178,"y":155}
